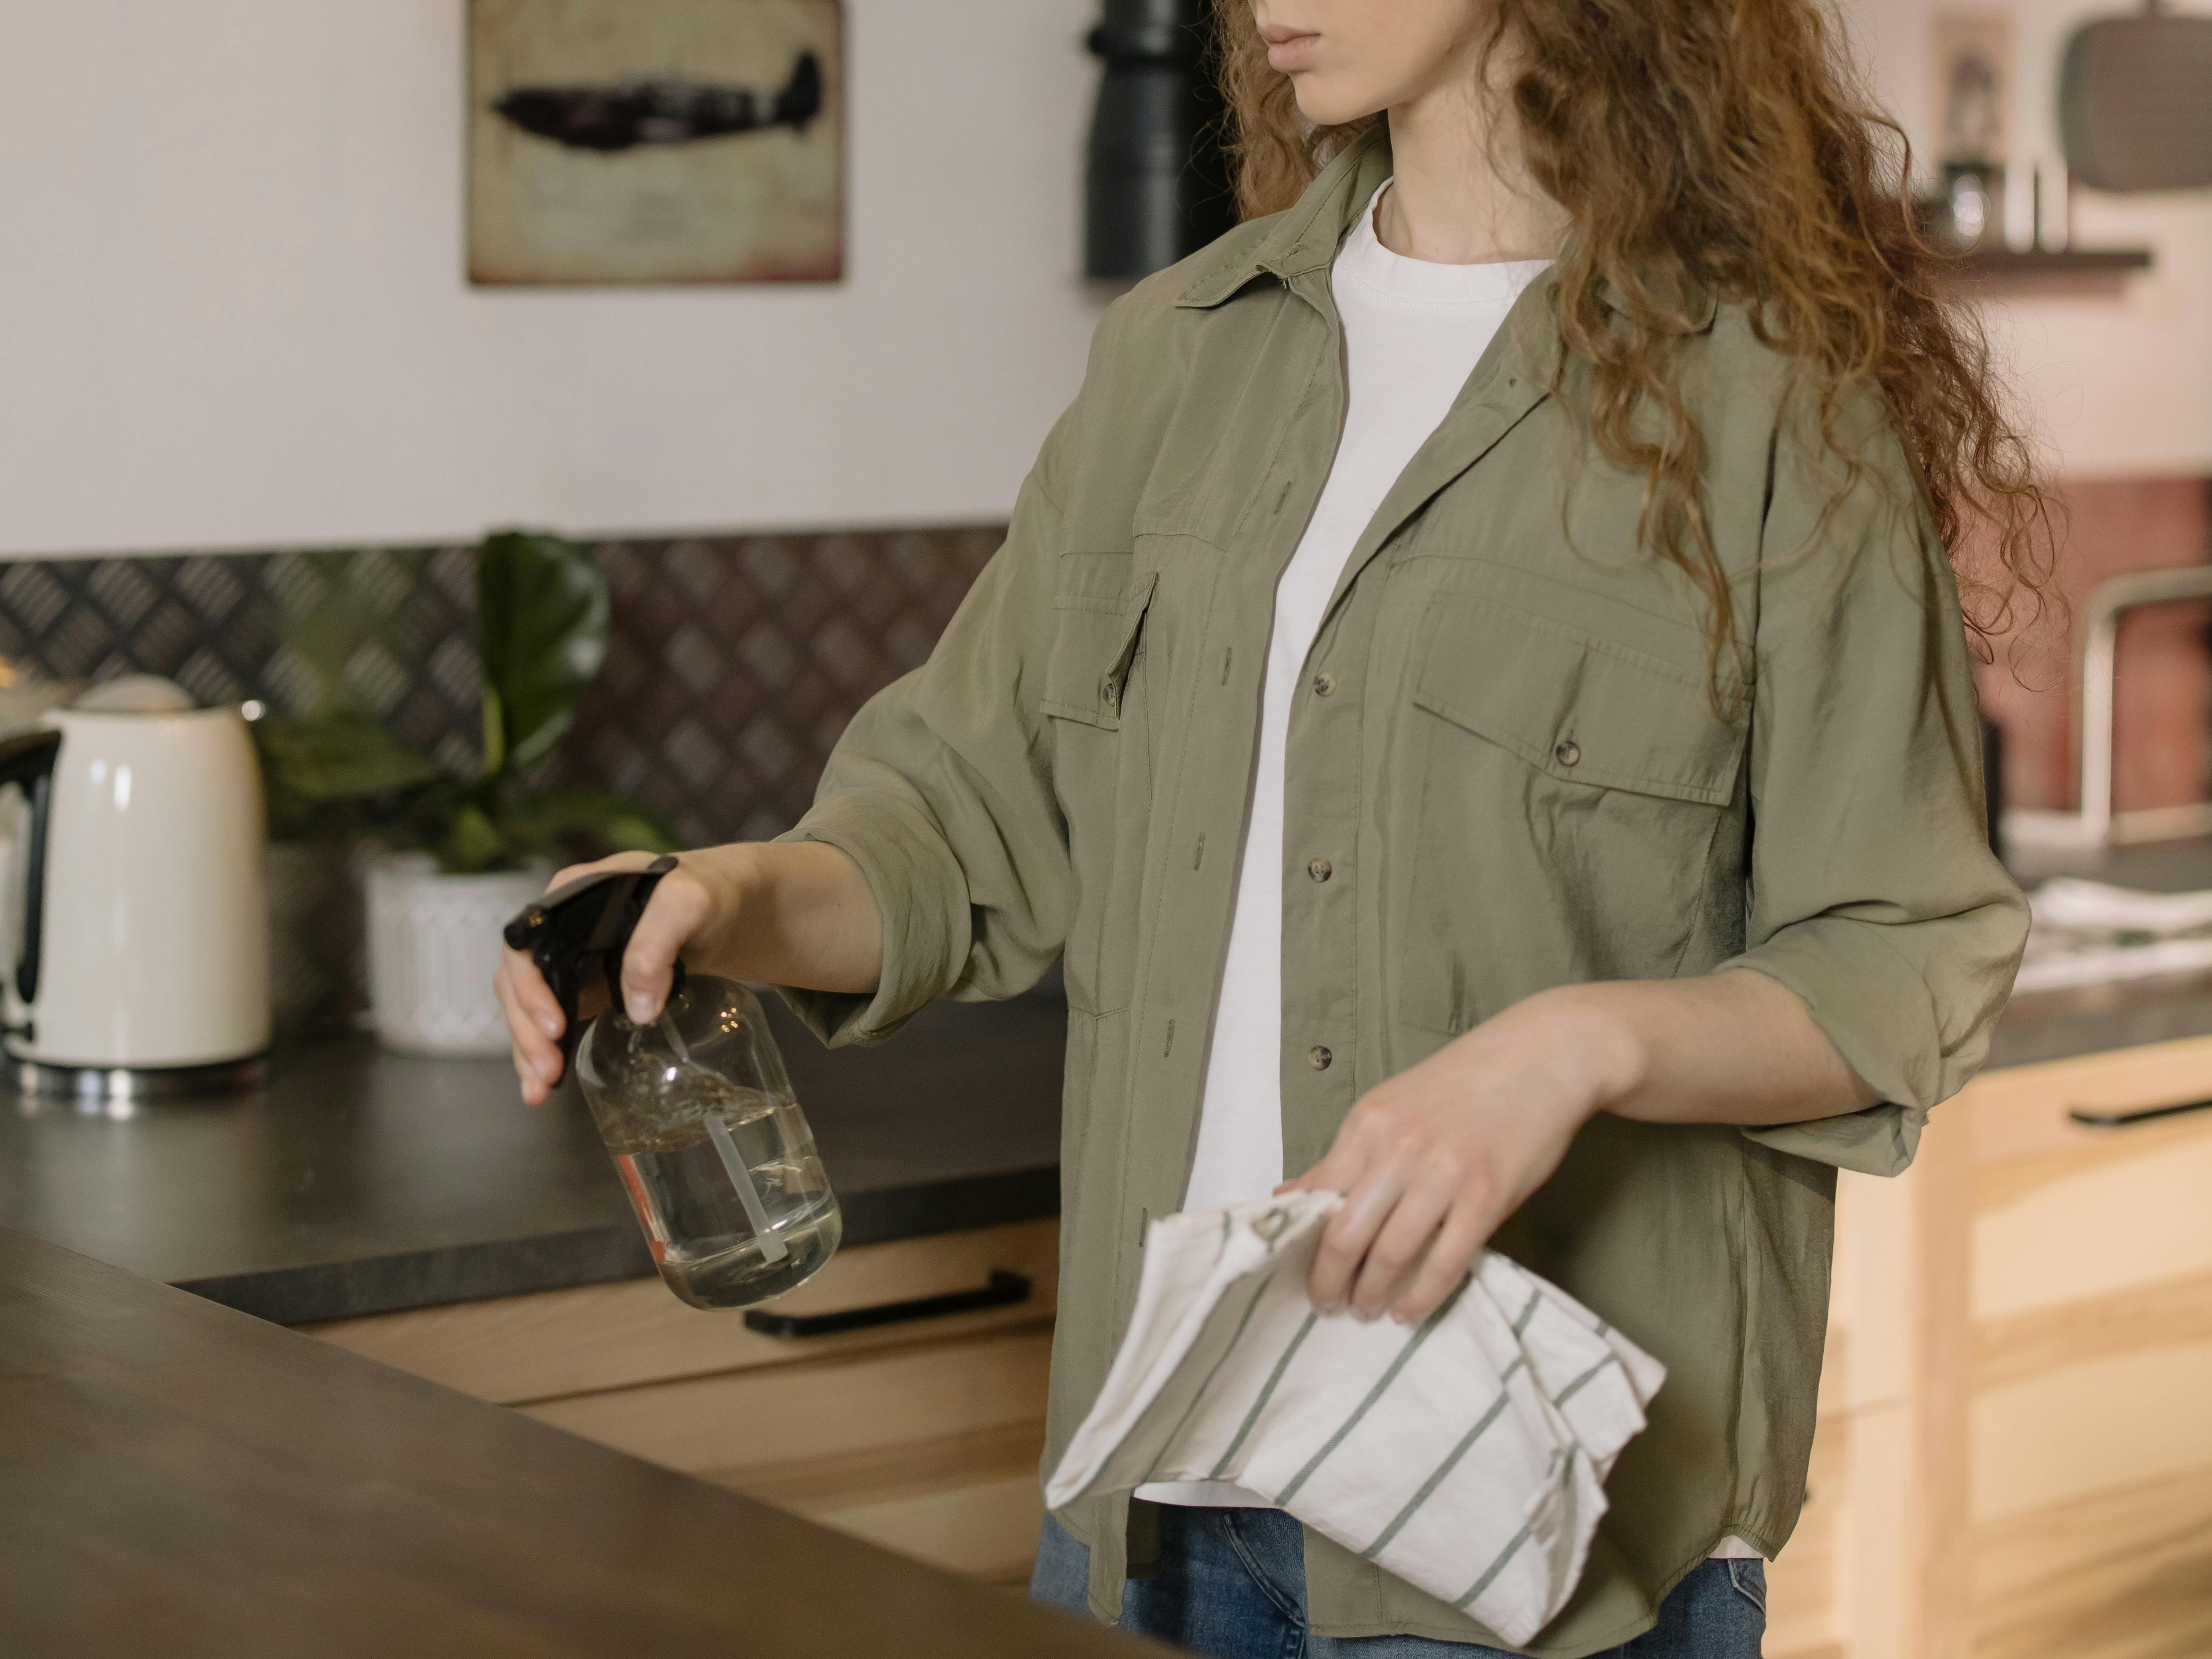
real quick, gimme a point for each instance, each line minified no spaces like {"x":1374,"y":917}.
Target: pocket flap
{"x":1582,"y":708}
{"x":1095,"y":637}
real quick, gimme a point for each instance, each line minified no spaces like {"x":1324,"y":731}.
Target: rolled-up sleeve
{"x":1874,"y":895}
{"x":940,"y":791}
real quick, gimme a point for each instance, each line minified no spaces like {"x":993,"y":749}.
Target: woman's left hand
{"x":1432,"y":1161}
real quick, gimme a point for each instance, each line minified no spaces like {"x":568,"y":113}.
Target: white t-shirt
{"x":1412,"y":332}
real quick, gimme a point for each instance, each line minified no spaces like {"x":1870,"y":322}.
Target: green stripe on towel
{"x":1267,"y":1393}
{"x":1494,"y":1569}
{"x":1428,"y":1486}
{"x":1374,"y":1394}
{"x":1184,"y":1422}
{"x":1528,"y":1313}
{"x":1575,"y":1387}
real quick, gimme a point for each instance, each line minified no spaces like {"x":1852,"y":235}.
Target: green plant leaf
{"x":474,"y":844}
{"x":554,"y":823}
{"x":321,"y":758}
{"x":542,"y":604}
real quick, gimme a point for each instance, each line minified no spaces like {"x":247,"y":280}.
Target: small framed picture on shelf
{"x":655,"y":140}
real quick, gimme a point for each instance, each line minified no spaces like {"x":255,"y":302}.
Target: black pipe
{"x":1158,"y":177}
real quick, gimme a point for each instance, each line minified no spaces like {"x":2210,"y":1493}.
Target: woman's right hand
{"x":684,"y":907}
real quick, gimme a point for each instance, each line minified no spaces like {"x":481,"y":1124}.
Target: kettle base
{"x":40,"y":1079}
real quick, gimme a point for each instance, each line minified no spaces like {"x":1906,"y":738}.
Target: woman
{"x":1475,"y":693}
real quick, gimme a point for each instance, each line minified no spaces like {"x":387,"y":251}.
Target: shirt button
{"x":1318,"y":1058}
{"x":1324,"y":685}
{"x":1320,"y":869}
{"x":1568,"y":752}
{"x":1111,"y":690}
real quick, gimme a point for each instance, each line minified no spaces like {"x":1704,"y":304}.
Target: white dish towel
{"x":1468,"y":1454}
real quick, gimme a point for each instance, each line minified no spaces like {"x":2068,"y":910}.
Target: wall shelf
{"x":2005,"y":262}
{"x":2102,"y":268}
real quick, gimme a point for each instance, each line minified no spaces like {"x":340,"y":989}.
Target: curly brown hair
{"x":1726,"y":146}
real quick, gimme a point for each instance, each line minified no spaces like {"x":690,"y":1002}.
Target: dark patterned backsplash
{"x":735,"y":661}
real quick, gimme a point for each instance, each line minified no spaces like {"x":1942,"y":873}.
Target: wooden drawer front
{"x":922,"y":1436}
{"x":930,"y":1448}
{"x":2106,"y":1422}
{"x":2122,"y":1574}
{"x":2087,"y":1297}
{"x":521,"y":1348}
{"x":2115,"y":1215}
{"x":971,"y":1503}
{"x":986,"y":1529}
{"x":2021,"y":1351}
{"x":781,"y":1414}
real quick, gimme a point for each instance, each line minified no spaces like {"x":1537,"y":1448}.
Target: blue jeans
{"x":1232,"y":1584}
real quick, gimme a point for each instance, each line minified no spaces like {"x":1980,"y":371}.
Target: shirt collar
{"x":1305,"y":237}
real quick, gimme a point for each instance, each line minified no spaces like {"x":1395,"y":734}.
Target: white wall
{"x":233,"y":313}
{"x":2122,"y":383}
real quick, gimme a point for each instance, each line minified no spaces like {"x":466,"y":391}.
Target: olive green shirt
{"x":1506,"y":747}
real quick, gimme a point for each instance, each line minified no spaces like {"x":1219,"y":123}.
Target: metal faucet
{"x":2095,"y":824}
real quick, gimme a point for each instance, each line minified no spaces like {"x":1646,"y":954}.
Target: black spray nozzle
{"x":578,"y":932}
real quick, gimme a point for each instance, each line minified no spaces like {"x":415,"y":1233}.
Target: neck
{"x":1460,"y":193}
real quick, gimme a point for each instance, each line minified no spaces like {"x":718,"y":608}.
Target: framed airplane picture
{"x":655,"y":140}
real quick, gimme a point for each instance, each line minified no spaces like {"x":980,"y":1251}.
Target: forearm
{"x":1728,"y":1048}
{"x":788,"y":913}
{"x":1432,"y":1159}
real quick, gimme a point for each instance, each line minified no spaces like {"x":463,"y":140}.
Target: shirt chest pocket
{"x":1570,"y":814}
{"x":1097,"y":632}
{"x":1580,"y":708}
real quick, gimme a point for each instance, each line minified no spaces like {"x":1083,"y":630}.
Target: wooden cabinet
{"x":2015,"y":1452}
{"x":2014,"y":1459}
{"x":923,"y":1436}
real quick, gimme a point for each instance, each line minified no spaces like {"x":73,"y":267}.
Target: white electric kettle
{"x":141,"y":936}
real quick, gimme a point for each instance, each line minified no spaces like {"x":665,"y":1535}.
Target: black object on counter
{"x":28,"y":762}
{"x":177,"y":1478}
{"x":1001,"y":1290}
{"x":2106,"y":1118}
{"x":1158,"y":183}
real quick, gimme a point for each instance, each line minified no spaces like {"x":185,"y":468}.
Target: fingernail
{"x":639,"y":1010}
{"x":550,"y":1026}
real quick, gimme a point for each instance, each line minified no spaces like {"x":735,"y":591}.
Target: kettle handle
{"x":28,"y":762}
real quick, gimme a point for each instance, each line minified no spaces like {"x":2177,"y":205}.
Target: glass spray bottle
{"x":694,"y":1106}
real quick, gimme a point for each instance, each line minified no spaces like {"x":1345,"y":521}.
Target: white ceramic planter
{"x":434,"y":943}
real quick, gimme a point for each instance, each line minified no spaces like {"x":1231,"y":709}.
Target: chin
{"x":1328,"y":104}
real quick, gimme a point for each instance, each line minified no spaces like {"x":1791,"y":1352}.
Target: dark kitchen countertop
{"x":177,"y":1478}
{"x":357,"y":1181}
{"x":2123,"y":1013}
{"x":2089,"y":1019}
